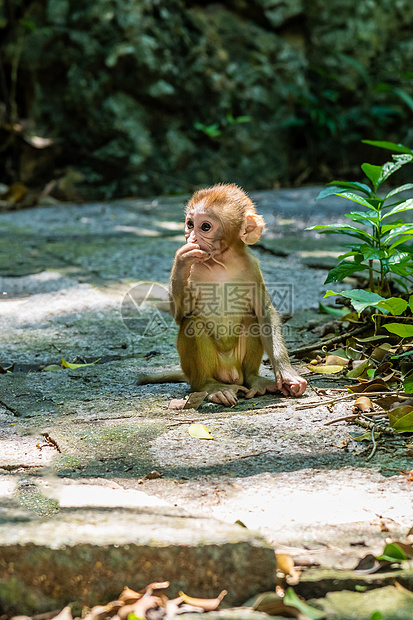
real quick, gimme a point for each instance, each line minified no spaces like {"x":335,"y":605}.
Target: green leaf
{"x":401,"y":418}
{"x":400,"y":241}
{"x":396,"y":357}
{"x":372,"y":172}
{"x":347,"y":255}
{"x":328,"y":191}
{"x":404,"y":95}
{"x":400,"y":257}
{"x":400,"y":329}
{"x":291,"y":599}
{"x":352,"y":231}
{"x":391,"y":146}
{"x":392,"y":166}
{"x":376,"y":615}
{"x":397,"y":190}
{"x":395,"y":305}
{"x":133,"y":616}
{"x":407,"y":229}
{"x":360,"y":299}
{"x":358,"y":370}
{"x":411,"y":302}
{"x":73,"y":366}
{"x":344,"y":269}
{"x":363,"y":216}
{"x":386,"y":227}
{"x":392,"y":553}
{"x":406,"y":205}
{"x":408,"y":382}
{"x":356,"y":198}
{"x":371,"y":253}
{"x":401,"y":270}
{"x":352,"y":185}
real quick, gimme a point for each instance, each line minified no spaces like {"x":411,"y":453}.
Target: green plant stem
{"x":371,"y":281}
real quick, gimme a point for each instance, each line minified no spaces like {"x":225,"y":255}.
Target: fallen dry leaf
{"x":74,"y":366}
{"x":190,"y":402}
{"x":65,"y":614}
{"x":388,"y":402}
{"x":336,"y":360}
{"x":207,"y":604}
{"x":363,"y":403}
{"x":153,"y":475}
{"x":376,"y":385}
{"x":369,"y":565}
{"x":273,"y":605}
{"x":199,"y":431}
{"x":156,"y":585}
{"x":148,"y":601}
{"x":322,"y":369}
{"x":98,"y":612}
{"x":128,"y":596}
{"x":285,"y":563}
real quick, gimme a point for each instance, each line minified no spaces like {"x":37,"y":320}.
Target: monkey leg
{"x":286,"y":380}
{"x":257,"y":385}
{"x":207,"y":369}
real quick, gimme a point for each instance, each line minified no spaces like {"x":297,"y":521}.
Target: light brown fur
{"x":221,"y":344}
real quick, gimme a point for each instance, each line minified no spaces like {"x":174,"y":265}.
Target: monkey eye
{"x":206,"y":227}
{"x":189,"y":224}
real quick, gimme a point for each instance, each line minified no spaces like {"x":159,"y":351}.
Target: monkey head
{"x":219,"y":216}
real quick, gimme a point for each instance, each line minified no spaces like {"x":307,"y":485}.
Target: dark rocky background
{"x":111,"y":98}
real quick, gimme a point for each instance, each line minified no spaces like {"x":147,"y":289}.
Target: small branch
{"x":330,"y":341}
{"x":368,"y":425}
{"x":374,"y":443}
{"x":346,"y":396}
{"x":349,"y":418}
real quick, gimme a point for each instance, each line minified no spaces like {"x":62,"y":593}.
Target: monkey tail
{"x":164,"y":377}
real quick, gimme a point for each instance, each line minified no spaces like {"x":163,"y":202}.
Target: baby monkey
{"x":220,"y":302}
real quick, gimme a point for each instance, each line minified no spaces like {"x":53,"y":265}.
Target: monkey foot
{"x":224,"y":393}
{"x":293,"y":386}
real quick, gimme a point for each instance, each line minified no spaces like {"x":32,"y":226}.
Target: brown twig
{"x":330,"y":341}
{"x":346,"y":396}
{"x":352,"y":417}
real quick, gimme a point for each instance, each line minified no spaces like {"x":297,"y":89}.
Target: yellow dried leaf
{"x":73,"y":366}
{"x":207,"y":604}
{"x":199,"y":431}
{"x":285,"y":563}
{"x":322,"y":369}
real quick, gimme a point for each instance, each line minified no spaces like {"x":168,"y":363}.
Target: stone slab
{"x":88,"y":555}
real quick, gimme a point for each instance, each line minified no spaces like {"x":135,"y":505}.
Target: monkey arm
{"x":182,"y":299}
{"x":182,"y":302}
{"x":288,"y":381}
{"x":271,"y":338}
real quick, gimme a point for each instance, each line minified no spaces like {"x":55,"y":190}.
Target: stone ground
{"x":76,"y":443}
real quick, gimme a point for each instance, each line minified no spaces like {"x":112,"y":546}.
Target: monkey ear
{"x":251,"y":228}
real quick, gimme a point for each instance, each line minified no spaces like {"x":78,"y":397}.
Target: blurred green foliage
{"x":162,"y":96}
